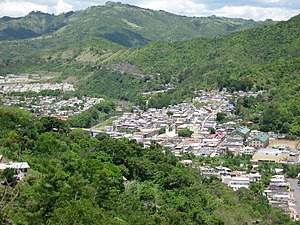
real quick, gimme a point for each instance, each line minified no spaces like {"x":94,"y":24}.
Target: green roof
{"x":243,"y":130}
{"x":263,"y":137}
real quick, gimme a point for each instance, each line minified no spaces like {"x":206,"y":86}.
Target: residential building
{"x":239,"y":182}
{"x":18,"y":166}
{"x":261,"y":140}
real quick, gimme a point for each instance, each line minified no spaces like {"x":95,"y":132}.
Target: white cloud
{"x":62,"y":6}
{"x":22,"y":8}
{"x":15,"y":8}
{"x":256,"y":13}
{"x":273,"y":1}
{"x":191,"y":8}
{"x":176,"y":6}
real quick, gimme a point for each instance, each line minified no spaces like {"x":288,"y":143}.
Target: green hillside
{"x":212,"y":60}
{"x":121,"y":23}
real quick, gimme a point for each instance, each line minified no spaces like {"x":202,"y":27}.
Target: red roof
{"x":212,"y":135}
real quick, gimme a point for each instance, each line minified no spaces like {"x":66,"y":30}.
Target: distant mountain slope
{"x":121,"y":23}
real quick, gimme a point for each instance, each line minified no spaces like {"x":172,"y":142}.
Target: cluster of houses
{"x":165,"y":88}
{"x":234,"y":179}
{"x":30,"y":82}
{"x":210,"y":138}
{"x":52,"y":106}
{"x":278,"y":192}
{"x":36,"y":87}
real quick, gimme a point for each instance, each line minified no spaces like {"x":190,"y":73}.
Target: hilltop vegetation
{"x":77,"y":179}
{"x":79,"y":41}
{"x":256,"y":55}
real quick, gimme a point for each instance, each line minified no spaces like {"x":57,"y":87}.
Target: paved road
{"x":296,"y":193}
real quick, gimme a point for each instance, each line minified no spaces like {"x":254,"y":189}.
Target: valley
{"x":117,"y":114}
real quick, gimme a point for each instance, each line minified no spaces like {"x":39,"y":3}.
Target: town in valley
{"x":205,"y":127}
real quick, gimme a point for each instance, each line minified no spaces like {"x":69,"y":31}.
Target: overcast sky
{"x":249,"y":9}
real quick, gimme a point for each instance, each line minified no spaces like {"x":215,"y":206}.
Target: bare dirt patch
{"x":291,"y":144}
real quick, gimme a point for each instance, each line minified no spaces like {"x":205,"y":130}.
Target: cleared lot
{"x":291,"y":144}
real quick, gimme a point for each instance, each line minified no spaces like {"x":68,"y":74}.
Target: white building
{"x":239,"y":182}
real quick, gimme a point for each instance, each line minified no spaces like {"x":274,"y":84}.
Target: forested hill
{"x":256,"y":54}
{"x":121,"y":23}
{"x":77,"y":179}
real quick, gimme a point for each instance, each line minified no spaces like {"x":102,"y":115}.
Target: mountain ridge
{"x":124,"y":24}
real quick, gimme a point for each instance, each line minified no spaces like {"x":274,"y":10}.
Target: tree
{"x":54,"y":124}
{"x":162,"y":130}
{"x":212,"y":130}
{"x":9,"y":177}
{"x":170,"y":113}
{"x":102,"y":136}
{"x":185,"y":132}
{"x":47,"y":142}
{"x":221,"y":116}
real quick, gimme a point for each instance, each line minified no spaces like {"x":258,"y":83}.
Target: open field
{"x":290,"y":143}
{"x":107,"y":122}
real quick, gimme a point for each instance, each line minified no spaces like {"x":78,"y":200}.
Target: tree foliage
{"x":185,"y":132}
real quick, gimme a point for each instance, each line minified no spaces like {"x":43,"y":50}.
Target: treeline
{"x":44,"y":93}
{"x":77,"y":179}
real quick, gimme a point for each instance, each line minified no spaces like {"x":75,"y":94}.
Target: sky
{"x":248,"y":9}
